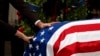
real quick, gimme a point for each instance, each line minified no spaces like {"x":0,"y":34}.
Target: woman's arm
{"x":23,"y":36}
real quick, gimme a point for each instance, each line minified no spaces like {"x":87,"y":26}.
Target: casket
{"x":76,"y":38}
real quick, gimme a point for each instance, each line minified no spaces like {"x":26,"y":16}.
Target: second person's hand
{"x":41,"y":24}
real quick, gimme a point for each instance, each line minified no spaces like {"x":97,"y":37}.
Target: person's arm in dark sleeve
{"x":7,"y":30}
{"x":21,"y":6}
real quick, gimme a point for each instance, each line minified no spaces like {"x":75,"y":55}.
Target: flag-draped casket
{"x":76,"y":38}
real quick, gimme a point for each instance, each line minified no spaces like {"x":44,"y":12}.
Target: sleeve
{"x":21,"y":6}
{"x":6,"y":29}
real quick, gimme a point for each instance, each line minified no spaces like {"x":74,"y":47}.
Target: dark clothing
{"x":7,"y":32}
{"x":94,"y":4}
{"x":20,"y":6}
{"x":52,"y":7}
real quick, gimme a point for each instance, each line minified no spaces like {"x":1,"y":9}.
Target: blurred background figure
{"x":52,"y":9}
{"x":94,"y":9}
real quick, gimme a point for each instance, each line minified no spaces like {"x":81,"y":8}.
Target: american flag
{"x":76,"y":38}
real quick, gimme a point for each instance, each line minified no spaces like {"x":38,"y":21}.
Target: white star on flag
{"x":50,"y":28}
{"x":34,"y":38}
{"x":42,"y":40}
{"x":37,"y":47}
{"x":30,"y":54}
{"x":30,"y":46}
{"x":42,"y":33}
{"x":40,"y":54}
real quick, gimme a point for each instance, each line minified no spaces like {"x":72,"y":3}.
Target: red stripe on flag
{"x":79,"y":48}
{"x":73,"y":29}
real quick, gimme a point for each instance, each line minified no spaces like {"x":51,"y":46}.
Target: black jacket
{"x":21,"y":6}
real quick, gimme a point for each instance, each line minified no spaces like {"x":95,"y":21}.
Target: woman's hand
{"x":27,"y":39}
{"x":23,"y":36}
